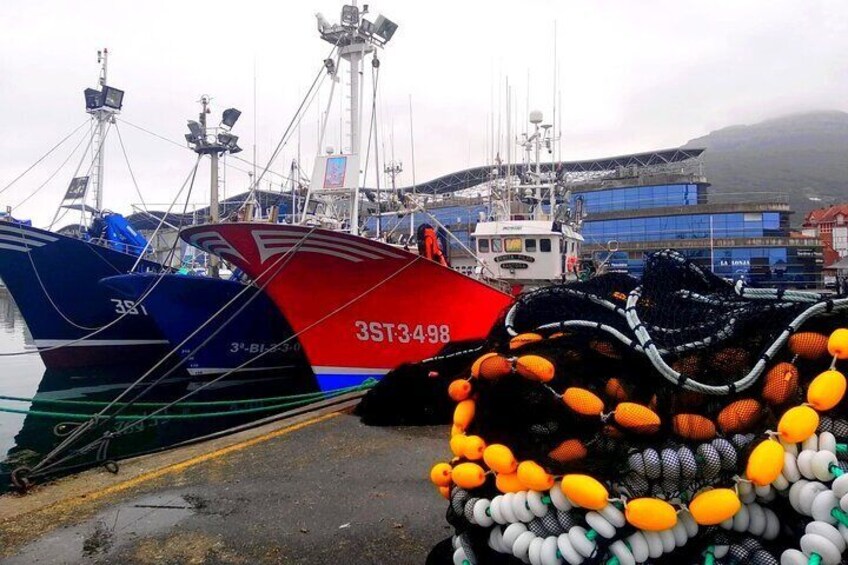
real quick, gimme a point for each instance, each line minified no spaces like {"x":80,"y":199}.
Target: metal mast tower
{"x":102,"y":116}
{"x":355,"y":37}
{"x":215,"y":142}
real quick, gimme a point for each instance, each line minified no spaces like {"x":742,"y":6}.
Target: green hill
{"x":804,"y":156}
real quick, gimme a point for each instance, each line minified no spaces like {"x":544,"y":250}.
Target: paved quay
{"x":314,"y":489}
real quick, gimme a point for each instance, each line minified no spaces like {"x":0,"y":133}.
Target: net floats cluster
{"x":757,"y":476}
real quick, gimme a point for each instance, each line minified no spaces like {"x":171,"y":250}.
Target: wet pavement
{"x":333,"y":490}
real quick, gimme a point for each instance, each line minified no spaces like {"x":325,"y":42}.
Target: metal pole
{"x":214,"y":216}
{"x":355,"y":59}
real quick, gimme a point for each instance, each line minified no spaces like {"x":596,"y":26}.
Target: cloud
{"x":632,"y":76}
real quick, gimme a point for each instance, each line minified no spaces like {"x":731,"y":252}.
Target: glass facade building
{"x":747,"y":241}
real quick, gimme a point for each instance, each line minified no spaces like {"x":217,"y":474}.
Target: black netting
{"x":659,"y":387}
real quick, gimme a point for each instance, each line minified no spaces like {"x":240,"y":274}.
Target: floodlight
{"x":230,"y":117}
{"x":385,"y":28}
{"x":195,"y":129}
{"x":113,"y":97}
{"x":227,"y":139}
{"x":366,"y":27}
{"x":350,"y":15}
{"x":92,"y":99}
{"x":235,"y":149}
{"x":190,"y":138}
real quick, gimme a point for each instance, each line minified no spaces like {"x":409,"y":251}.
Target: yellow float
{"x":534,"y":477}
{"x":440,"y":474}
{"x":473,"y":448}
{"x":499,"y":458}
{"x":797,"y":424}
{"x":463,"y":414}
{"x":457,"y":444}
{"x":651,"y":514}
{"x":585,"y":491}
{"x":508,"y":482}
{"x":765,"y":463}
{"x":826,"y":390}
{"x":714,"y":506}
{"x":837,"y":343}
{"x":468,"y":475}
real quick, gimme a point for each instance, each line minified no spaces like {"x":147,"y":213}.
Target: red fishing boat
{"x":359,"y":307}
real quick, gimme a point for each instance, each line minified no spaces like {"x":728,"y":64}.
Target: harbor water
{"x":37,"y":404}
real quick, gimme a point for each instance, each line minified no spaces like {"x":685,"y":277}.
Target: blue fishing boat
{"x":242,"y":330}
{"x":73,"y":320}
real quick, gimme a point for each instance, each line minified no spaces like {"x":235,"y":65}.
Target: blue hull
{"x":180,"y":304}
{"x":54,"y":281}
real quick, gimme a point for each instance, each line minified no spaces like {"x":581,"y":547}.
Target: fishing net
{"x":681,"y":418}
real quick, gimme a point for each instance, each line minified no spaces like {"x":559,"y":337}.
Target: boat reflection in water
{"x":65,"y":397}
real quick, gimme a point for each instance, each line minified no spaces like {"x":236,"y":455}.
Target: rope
{"x":293,"y":400}
{"x":43,"y":157}
{"x":62,"y":401}
{"x":96,"y":418}
{"x":645,"y":344}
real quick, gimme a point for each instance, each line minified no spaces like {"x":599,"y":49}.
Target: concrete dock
{"x":316,"y":488}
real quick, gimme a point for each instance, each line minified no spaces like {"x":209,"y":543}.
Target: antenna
{"x":412,"y":146}
{"x":254,"y":121}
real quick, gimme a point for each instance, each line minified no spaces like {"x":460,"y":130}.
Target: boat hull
{"x":248,"y":323}
{"x":359,"y":307}
{"x":53,"y":279}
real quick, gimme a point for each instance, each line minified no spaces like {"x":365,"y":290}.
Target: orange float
{"x":459,"y":390}
{"x":535,"y":368}
{"x":780,"y":384}
{"x":583,"y":401}
{"x":693,"y":426}
{"x":637,"y":418}
{"x":739,"y":416}
{"x":524,"y":339}
{"x":808,"y":345}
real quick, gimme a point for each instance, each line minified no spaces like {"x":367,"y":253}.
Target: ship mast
{"x":355,"y":38}
{"x":103,"y":115}
{"x":215,"y":142}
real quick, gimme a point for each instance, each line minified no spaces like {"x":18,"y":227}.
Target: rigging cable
{"x":96,"y":330}
{"x":129,"y":167}
{"x":52,"y":176}
{"x":98,"y":420}
{"x":40,"y":159}
{"x":43,"y":465}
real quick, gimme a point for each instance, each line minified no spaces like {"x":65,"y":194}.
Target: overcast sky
{"x":633,"y":76}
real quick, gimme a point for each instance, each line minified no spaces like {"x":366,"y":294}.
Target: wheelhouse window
{"x":530,"y":245}
{"x":545,"y":245}
{"x":496,"y":245}
{"x":483,"y":245}
{"x":512,"y":245}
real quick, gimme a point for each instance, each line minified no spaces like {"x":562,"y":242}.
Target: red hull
{"x":358,"y":306}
